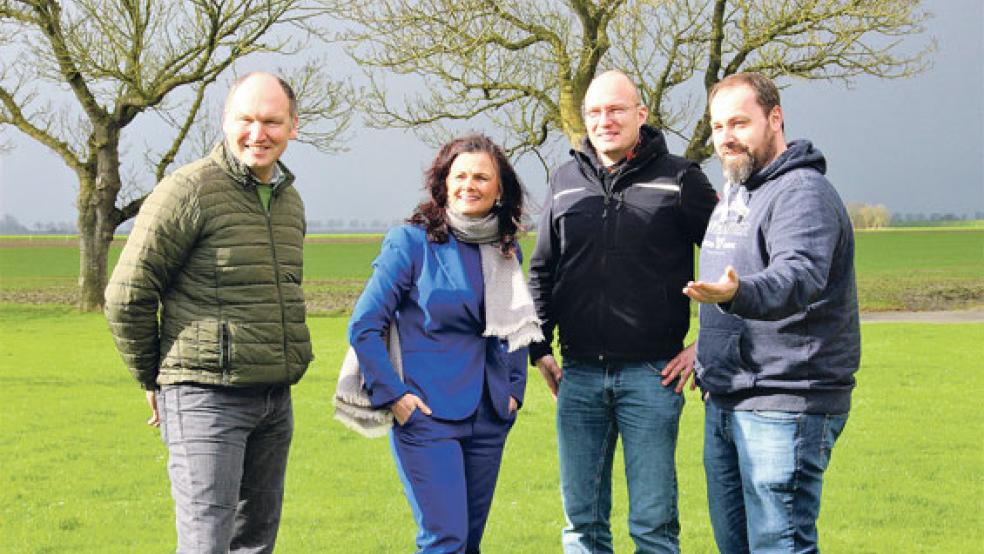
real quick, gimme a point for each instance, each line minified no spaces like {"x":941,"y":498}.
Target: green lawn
{"x":81,"y":472}
{"x":907,"y":269}
{"x":920,"y":269}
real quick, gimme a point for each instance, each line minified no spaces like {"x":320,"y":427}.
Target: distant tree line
{"x":9,"y":225}
{"x":863,"y":216}
{"x":914,"y":218}
{"x":869,"y":216}
{"x":352,"y":225}
{"x":877,"y":216}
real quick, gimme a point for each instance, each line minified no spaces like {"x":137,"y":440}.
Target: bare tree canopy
{"x":526,"y":64}
{"x":112,"y":60}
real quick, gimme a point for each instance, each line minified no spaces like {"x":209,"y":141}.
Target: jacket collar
{"x":652,"y":145}
{"x":240,"y":173}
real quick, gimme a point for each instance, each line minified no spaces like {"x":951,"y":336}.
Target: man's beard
{"x":737,"y":169}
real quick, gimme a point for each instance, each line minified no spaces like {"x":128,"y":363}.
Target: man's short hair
{"x":291,"y":98}
{"x":635,"y":88}
{"x":766,"y":93}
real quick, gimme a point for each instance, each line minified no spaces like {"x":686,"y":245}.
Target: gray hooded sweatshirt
{"x":790,"y":339}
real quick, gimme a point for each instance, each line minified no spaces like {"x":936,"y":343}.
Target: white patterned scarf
{"x":352,"y":405}
{"x":509,"y":310}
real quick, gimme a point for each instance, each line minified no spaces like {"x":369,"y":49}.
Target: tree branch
{"x":14,"y":116}
{"x":48,"y":17}
{"x":168,"y":157}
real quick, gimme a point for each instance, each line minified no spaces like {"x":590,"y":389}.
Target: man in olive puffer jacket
{"x":206,"y":308}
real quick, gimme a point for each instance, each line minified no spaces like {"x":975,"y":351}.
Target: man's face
{"x":258,"y":124}
{"x":612,"y":116}
{"x":745,"y":138}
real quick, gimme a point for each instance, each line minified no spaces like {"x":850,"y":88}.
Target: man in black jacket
{"x":614,"y":248}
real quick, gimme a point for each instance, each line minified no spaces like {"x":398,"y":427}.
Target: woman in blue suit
{"x":449,"y":282}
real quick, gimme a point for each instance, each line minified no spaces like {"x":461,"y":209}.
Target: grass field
{"x":920,"y":269}
{"x":81,"y":472}
{"x":897,"y":269}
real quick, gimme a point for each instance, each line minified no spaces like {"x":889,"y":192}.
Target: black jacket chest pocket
{"x":645,"y":213}
{"x":578,"y":219}
{"x":649,"y":198}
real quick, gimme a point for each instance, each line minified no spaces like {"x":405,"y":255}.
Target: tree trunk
{"x":95,"y":237}
{"x":98,"y":218}
{"x":570,"y":115}
{"x":699,"y":148}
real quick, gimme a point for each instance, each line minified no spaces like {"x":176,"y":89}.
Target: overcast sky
{"x":915,"y":145}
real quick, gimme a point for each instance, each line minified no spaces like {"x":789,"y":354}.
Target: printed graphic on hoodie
{"x":729,"y":222}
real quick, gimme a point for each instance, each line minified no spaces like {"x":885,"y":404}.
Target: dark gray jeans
{"x":227,"y":459}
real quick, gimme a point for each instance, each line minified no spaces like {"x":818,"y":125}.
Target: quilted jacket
{"x":208,"y":287}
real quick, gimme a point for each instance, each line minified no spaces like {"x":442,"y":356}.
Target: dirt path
{"x":975,"y":315}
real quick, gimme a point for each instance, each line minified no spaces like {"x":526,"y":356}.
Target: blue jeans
{"x":227,"y":460}
{"x":597,"y":403}
{"x":764,"y":475}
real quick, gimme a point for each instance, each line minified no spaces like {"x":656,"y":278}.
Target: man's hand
{"x":682,"y":366}
{"x":403,"y":408}
{"x":513,"y":404}
{"x":714,"y":293}
{"x":551,"y":372}
{"x":155,"y":414}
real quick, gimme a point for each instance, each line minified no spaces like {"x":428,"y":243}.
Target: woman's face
{"x":473,"y":184}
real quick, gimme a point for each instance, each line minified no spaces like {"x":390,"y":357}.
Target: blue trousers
{"x":449,"y":470}
{"x":227,"y":459}
{"x":596,"y":404}
{"x":764,"y":476}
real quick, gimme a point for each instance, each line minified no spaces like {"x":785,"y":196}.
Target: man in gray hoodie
{"x":779,"y":338}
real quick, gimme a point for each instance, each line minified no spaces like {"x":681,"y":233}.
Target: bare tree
{"x":102,"y":63}
{"x":869,"y":216}
{"x":805,"y":39}
{"x":526,"y":64}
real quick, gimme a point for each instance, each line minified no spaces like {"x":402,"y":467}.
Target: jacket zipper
{"x":225,"y":347}
{"x":605,"y":313}
{"x":606,"y":233}
{"x":276,"y":276}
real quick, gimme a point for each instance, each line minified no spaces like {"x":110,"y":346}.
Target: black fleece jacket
{"x":614,"y":250}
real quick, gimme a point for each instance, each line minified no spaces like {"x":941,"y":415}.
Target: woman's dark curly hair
{"x":430,"y":214}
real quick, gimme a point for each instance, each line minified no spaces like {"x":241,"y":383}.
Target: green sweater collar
{"x":240,"y":173}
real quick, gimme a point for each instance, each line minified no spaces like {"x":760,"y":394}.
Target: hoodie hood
{"x":652,"y":144}
{"x":798,"y":154}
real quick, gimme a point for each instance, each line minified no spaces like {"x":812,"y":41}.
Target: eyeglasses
{"x":613,"y":112}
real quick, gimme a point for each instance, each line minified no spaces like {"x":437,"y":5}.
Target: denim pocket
{"x":656,"y":367}
{"x":833,"y":425}
{"x":773,"y":415}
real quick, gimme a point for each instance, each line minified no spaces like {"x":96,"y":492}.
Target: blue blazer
{"x":421,"y":288}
